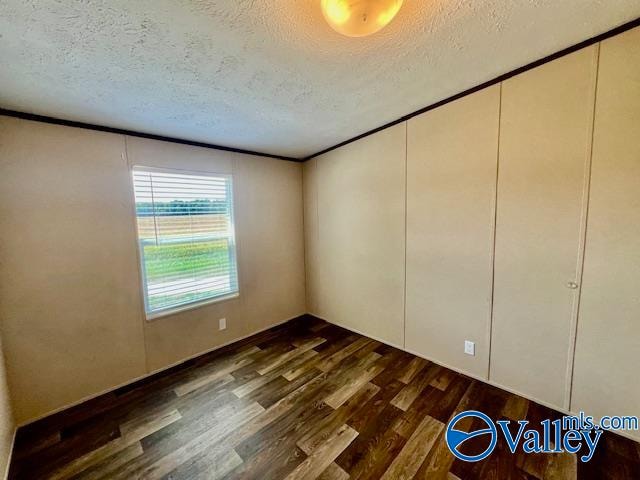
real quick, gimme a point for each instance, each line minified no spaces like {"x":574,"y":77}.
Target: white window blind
{"x":186,"y":238}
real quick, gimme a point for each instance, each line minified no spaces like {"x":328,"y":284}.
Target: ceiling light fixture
{"x":358,"y":18}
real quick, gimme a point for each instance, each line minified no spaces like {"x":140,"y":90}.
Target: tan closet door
{"x":608,"y":343}
{"x":452,"y":156}
{"x":545,"y":139}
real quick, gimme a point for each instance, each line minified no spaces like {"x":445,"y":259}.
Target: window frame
{"x":150,"y":316}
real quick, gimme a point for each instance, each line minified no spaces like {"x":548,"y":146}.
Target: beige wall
{"x":70,"y":305}
{"x":71,"y":297}
{"x":268,"y":221}
{"x":452,"y":157}
{"x":356,"y":268}
{"x":608,"y":341}
{"x":546,"y":130}
{"x":7,"y":424}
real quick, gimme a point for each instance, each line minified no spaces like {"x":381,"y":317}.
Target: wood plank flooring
{"x":304,"y":400}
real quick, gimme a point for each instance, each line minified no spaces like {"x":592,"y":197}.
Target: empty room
{"x":319,"y":239}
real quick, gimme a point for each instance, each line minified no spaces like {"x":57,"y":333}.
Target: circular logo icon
{"x":456,"y":438}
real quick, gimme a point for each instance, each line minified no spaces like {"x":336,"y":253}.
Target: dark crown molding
{"x":69,"y":123}
{"x":598,"y":38}
{"x":120,"y":131}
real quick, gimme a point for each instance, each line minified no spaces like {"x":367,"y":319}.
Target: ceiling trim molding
{"x":120,"y":131}
{"x":598,"y":38}
{"x":101,"y":128}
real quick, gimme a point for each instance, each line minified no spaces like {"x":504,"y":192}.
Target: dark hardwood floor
{"x":301,"y":401}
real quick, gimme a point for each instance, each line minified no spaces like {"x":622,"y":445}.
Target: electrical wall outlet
{"x":222,"y":323}
{"x":469,"y":347}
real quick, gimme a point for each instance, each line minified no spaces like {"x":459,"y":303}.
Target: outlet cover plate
{"x":469,"y":347}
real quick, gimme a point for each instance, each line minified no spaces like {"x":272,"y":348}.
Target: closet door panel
{"x":608,"y":340}
{"x":545,"y":142}
{"x":451,"y":180}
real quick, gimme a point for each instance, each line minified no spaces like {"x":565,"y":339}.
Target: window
{"x":186,"y":238}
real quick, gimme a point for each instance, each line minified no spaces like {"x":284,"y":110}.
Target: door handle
{"x":572,"y":285}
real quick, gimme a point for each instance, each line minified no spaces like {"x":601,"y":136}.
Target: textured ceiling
{"x":269,"y":75}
